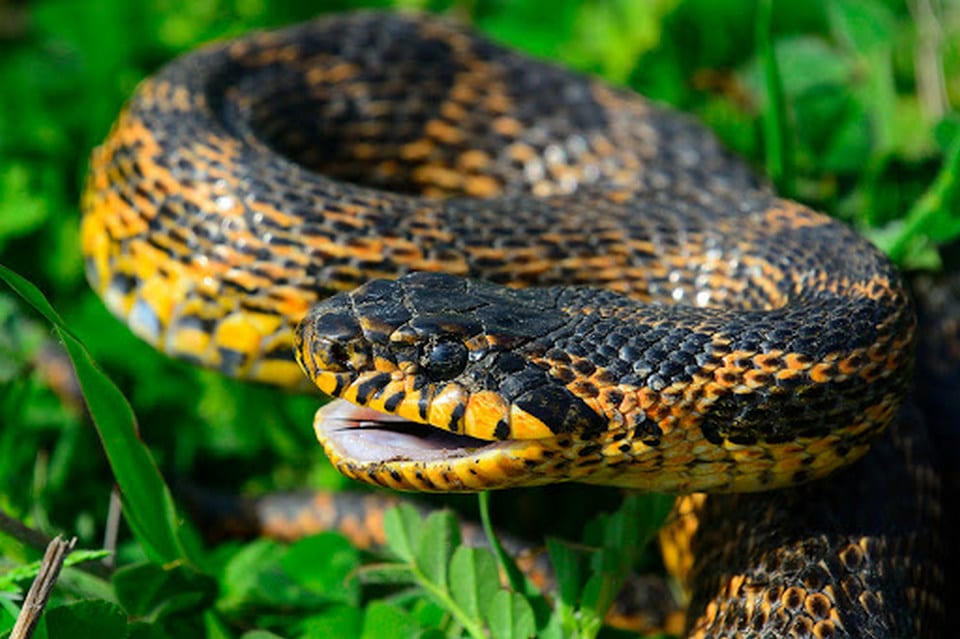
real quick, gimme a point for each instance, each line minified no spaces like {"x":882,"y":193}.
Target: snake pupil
{"x":446,"y":359}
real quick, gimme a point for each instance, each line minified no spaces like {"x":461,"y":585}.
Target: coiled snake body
{"x":739,"y":342}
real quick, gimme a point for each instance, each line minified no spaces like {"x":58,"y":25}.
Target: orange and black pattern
{"x":856,"y":555}
{"x":248,"y":180}
{"x":689,"y":330}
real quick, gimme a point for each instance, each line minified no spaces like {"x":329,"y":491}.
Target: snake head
{"x":434,"y":367}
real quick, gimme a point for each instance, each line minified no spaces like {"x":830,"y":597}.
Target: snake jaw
{"x":365,"y":435}
{"x":389,"y":450}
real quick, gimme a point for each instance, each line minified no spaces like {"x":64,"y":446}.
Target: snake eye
{"x":446,"y":359}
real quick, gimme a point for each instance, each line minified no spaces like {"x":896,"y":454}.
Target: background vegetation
{"x":850,"y":105}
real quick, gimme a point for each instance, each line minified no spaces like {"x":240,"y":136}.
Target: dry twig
{"x":42,"y":586}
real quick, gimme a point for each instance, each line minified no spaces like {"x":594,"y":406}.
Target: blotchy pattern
{"x":742,"y":342}
{"x":856,"y":555}
{"x":589,"y":385}
{"x":213,"y":219}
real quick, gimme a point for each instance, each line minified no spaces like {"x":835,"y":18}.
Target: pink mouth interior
{"x":364,"y":435}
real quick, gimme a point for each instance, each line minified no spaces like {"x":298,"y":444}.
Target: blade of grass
{"x":147,"y":503}
{"x":937,"y":207}
{"x":777,"y":133}
{"x":514,"y":577}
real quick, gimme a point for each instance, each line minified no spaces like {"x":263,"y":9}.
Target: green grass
{"x":848,"y":105}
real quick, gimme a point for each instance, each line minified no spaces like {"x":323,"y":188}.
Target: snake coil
{"x":580,"y":285}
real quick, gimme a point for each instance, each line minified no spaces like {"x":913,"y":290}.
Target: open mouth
{"x":367,"y":436}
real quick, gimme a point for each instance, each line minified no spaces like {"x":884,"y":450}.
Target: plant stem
{"x":447,"y":603}
{"x":507,"y":565}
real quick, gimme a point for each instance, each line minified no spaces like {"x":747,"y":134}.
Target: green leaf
{"x":22,"y":210}
{"x":528,"y":26}
{"x":473,"y":579}
{"x":147,"y":503}
{"x":150,"y":591}
{"x":808,"y":64}
{"x":596,"y":594}
{"x":255,"y":574}
{"x":510,"y":616}
{"x":144,"y":630}
{"x":242,"y":576}
{"x":427,"y":612}
{"x":566,"y":564}
{"x":865,"y":24}
{"x":618,"y":539}
{"x":325,"y":564}
{"x":439,"y":536}
{"x":847,"y":147}
{"x":336,"y":621}
{"x":86,"y":620}
{"x":428,"y":565}
{"x":933,"y":216}
{"x":611,"y":36}
{"x":402,"y":527}
{"x":566,"y":567}
{"x":214,"y":628}
{"x":869,"y":28}
{"x":386,"y":621}
{"x":518,"y":581}
{"x":554,"y":630}
{"x":24,"y":573}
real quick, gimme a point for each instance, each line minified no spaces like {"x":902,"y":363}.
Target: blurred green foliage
{"x":866,"y":95}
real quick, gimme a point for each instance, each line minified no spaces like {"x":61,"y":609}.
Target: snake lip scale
{"x":372,"y":436}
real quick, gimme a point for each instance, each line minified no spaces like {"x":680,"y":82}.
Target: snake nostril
{"x":340,"y":356}
{"x":336,"y":355}
{"x":334,"y":342}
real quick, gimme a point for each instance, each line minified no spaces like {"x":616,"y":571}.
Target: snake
{"x":507,"y":274}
